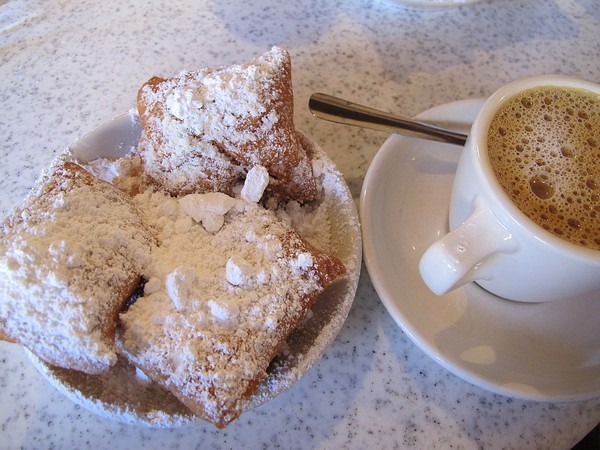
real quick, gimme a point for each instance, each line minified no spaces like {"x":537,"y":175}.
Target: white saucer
{"x":431,"y":4}
{"x":539,"y":351}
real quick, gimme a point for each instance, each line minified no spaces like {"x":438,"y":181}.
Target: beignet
{"x":218,"y":306}
{"x":70,"y":257}
{"x":202,"y":131}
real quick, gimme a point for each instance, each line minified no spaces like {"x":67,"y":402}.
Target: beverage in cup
{"x":525,"y":203}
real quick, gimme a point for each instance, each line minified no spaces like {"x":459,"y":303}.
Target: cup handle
{"x":459,"y":257}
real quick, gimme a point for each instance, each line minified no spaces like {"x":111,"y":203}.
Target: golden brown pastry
{"x":70,"y":256}
{"x":218,"y":307}
{"x":202,"y":131}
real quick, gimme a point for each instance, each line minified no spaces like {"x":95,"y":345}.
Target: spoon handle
{"x":334,"y":109}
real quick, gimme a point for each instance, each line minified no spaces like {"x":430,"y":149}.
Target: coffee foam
{"x":544,"y":148}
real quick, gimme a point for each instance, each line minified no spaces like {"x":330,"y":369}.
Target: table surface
{"x":69,"y":66}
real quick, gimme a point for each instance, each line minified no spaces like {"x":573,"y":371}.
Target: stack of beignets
{"x":226,"y":281}
{"x":202,"y":132}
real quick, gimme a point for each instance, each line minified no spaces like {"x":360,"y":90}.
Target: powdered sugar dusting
{"x":69,"y":258}
{"x":330,"y":224}
{"x":217,"y":124}
{"x":251,"y":265}
{"x":116,"y":395}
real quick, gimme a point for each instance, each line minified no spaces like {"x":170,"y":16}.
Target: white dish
{"x":121,"y":395}
{"x":431,"y":4}
{"x":539,"y":351}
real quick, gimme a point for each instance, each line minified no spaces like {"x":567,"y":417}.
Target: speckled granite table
{"x":68,"y":66}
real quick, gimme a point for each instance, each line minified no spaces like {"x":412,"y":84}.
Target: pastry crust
{"x":70,"y":257}
{"x":202,"y":131}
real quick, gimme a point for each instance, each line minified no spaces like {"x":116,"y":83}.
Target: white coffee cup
{"x":492,"y":242}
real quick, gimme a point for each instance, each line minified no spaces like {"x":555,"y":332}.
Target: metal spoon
{"x":337,"y":110}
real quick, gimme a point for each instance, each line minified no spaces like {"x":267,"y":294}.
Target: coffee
{"x":544,"y":148}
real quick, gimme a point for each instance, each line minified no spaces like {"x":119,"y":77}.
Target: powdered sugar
{"x":238,"y":271}
{"x":208,"y":209}
{"x":257,"y":180}
{"x":192,"y":266}
{"x":70,"y":257}
{"x":333,"y":227}
{"x":217,"y":124}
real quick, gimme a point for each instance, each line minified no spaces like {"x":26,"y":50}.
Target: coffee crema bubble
{"x":544,"y":148}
